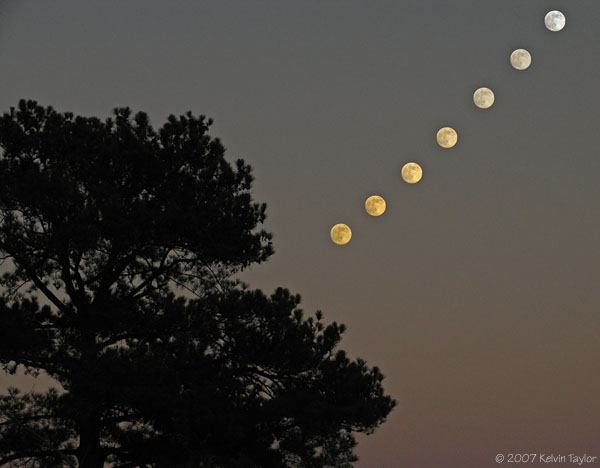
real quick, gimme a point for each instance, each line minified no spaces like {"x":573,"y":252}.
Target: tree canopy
{"x":120,"y":247}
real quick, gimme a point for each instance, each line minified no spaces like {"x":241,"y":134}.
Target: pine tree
{"x":120,"y":247}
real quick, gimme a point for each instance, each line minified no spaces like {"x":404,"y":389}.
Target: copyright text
{"x":573,"y":458}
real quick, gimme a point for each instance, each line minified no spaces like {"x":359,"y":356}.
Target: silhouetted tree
{"x":120,"y":244}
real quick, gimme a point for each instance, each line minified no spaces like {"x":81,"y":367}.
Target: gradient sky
{"x":477,"y":292}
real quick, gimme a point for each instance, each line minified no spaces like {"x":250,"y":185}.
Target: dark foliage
{"x":119,"y":246}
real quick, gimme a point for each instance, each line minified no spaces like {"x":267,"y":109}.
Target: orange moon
{"x":341,"y":234}
{"x":412,"y":173}
{"x":375,"y":205}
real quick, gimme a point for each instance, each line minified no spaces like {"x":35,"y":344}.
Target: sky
{"x":476,"y":293}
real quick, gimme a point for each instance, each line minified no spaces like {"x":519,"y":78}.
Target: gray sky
{"x":477,"y":291}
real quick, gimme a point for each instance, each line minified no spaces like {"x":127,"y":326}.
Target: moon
{"x":375,"y":205}
{"x":555,"y":20}
{"x":412,"y":173}
{"x":447,"y":137}
{"x":520,"y":59}
{"x":483,"y":98}
{"x":341,"y":234}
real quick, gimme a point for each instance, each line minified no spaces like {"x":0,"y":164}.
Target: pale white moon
{"x":375,"y":205}
{"x":447,"y":137}
{"x":341,"y":234}
{"x":412,"y":173}
{"x":555,"y":20}
{"x":483,"y":98}
{"x":520,"y":59}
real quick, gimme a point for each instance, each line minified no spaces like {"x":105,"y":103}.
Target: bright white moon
{"x":375,"y":205}
{"x":555,"y":20}
{"x":520,"y":59}
{"x":447,"y":137}
{"x":412,"y":173}
{"x":341,"y":234}
{"x":483,"y":98}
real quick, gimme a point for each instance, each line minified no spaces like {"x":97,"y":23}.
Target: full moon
{"x":447,"y":137}
{"x":375,"y":205}
{"x":412,"y":173}
{"x":483,"y":98}
{"x":341,"y":234}
{"x":555,"y":20}
{"x":520,"y":59}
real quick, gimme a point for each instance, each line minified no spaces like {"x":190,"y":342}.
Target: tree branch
{"x":37,"y":417}
{"x":42,"y":287}
{"x":40,"y":364}
{"x":37,"y":454}
{"x":65,"y":264}
{"x":155,"y":274}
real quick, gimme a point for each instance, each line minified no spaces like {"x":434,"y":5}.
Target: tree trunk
{"x":89,"y":453}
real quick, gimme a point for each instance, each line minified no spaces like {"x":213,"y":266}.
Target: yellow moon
{"x":520,"y":59}
{"x":484,"y":98}
{"x":375,"y":205}
{"x":412,"y":173}
{"x":341,"y":234}
{"x":447,"y":137}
